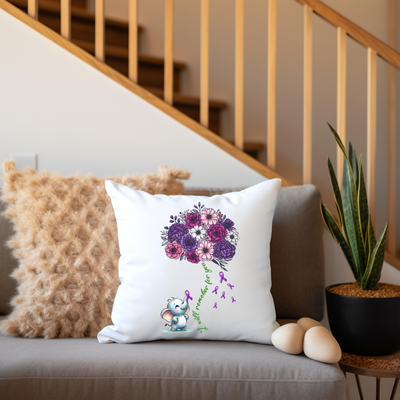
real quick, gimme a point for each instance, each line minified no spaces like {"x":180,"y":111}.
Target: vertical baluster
{"x":239,"y":62}
{"x":204,"y":63}
{"x":307,"y":96}
{"x":168,"y":48}
{"x":271,"y":106}
{"x":371,"y":133}
{"x":33,"y":8}
{"x":66,"y":19}
{"x":99,"y":30}
{"x":133,"y":41}
{"x":341,"y":99}
{"x":391,"y":240}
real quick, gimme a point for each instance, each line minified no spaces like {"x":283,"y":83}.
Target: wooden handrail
{"x":354,"y":31}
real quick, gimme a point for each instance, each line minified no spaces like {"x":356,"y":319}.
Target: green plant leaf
{"x":354,"y":163}
{"x":351,"y":217}
{"x":325,"y":211}
{"x":338,"y":140}
{"x":370,"y":239}
{"x":363,"y":208}
{"x":336,"y":233}
{"x":374,"y":269}
{"x":336,"y":192}
{"x":350,"y":209}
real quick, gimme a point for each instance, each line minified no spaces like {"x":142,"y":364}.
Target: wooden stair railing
{"x":143,"y":93}
{"x":121,"y":52}
{"x":375,"y":48}
{"x":344,"y":27}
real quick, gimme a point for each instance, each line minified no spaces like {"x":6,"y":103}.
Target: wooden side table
{"x":376,"y":366}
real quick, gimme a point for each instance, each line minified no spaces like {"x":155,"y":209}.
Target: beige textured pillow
{"x":66,"y":241}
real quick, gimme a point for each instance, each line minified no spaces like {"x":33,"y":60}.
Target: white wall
{"x":76,"y":119}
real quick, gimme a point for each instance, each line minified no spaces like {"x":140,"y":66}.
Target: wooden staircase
{"x":150,"y":69}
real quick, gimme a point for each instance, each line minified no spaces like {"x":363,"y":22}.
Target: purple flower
{"x":224,"y":250}
{"x":176,"y":232}
{"x":228,"y":224}
{"x":193,"y":219}
{"x":192,"y":257}
{"x":189,"y":243}
{"x":216,"y":233}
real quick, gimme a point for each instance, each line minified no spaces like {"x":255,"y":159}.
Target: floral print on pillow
{"x":199,"y":235}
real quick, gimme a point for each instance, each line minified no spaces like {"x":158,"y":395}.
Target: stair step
{"x":190,"y":106}
{"x":252,"y":148}
{"x":82,"y":22}
{"x":74,"y":3}
{"x":151,"y":69}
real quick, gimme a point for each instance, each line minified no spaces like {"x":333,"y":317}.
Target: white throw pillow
{"x":193,"y":267}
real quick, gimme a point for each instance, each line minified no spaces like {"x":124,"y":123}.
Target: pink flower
{"x":205,"y":251}
{"x":174,"y":250}
{"x":209,"y":217}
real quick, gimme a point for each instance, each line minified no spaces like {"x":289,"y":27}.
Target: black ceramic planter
{"x":367,"y":326}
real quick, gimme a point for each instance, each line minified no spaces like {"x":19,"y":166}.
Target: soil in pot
{"x":353,"y":289}
{"x":365,"y":322}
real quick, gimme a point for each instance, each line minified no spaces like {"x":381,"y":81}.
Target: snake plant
{"x":354,"y":231}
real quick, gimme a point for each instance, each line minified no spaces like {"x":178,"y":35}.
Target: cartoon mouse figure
{"x":177,"y":313}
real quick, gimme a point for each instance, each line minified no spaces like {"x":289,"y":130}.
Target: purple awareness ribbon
{"x":221,"y":274}
{"x":187,"y":293}
{"x":223,"y":295}
{"x":233,"y":299}
{"x":231,"y":286}
{"x":215,"y":290}
{"x":215,"y":305}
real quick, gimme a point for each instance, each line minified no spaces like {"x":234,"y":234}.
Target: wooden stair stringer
{"x":141,"y":92}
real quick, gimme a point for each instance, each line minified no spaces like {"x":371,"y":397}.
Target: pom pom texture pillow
{"x":67,"y":244}
{"x":193,"y":267}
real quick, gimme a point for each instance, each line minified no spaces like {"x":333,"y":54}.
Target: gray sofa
{"x":72,"y":369}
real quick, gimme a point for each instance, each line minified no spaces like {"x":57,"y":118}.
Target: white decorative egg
{"x":320,"y":345}
{"x":289,"y":338}
{"x":308,"y":323}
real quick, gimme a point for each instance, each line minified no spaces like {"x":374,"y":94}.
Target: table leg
{"x":359,"y":387}
{"x":396,"y":382}
{"x":378,"y":388}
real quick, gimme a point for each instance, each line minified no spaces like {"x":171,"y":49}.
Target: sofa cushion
{"x":72,"y":369}
{"x":214,"y":256}
{"x":67,"y":245}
